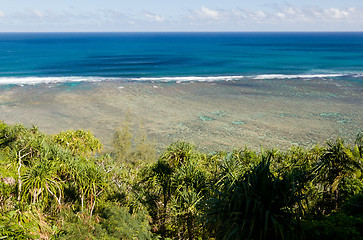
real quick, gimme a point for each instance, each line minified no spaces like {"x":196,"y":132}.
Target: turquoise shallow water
{"x":214,"y":116}
{"x":57,"y":57}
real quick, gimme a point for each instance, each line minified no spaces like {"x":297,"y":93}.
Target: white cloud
{"x":315,"y":14}
{"x":206,"y":13}
{"x":290,"y":10}
{"x":37,"y":13}
{"x":232,"y":16}
{"x":281,"y":15}
{"x":154,"y":17}
{"x":277,"y":17}
{"x":336,"y":13}
{"x":67,"y":20}
{"x":259,"y":15}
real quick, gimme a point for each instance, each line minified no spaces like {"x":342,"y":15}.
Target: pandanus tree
{"x":160,"y":177}
{"x":28,"y":147}
{"x":256,"y":204}
{"x":40,"y":183}
{"x":337,"y":162}
{"x":86,"y":181}
{"x":93,"y":184}
{"x":191,"y":187}
{"x":43,"y":179}
{"x":176,"y":183}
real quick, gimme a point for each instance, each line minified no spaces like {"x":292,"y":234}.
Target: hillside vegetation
{"x":64,"y":187}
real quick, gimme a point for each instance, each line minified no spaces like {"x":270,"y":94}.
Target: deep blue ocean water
{"x":57,"y":57}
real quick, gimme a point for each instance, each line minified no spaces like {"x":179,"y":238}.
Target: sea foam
{"x":284,"y":76}
{"x":179,"y":79}
{"x":47,"y":80}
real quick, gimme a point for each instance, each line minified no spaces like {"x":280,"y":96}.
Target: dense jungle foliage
{"x":64,"y":187}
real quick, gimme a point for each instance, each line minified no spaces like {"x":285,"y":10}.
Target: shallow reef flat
{"x":212,"y":115}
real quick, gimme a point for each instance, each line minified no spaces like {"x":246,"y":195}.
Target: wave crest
{"x":178,"y":79}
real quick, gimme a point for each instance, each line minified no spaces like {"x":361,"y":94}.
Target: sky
{"x":180,"y":15}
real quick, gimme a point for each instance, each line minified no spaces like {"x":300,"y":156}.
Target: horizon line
{"x":258,"y":31}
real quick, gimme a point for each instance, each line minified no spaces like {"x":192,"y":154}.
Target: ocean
{"x":61,"y":57}
{"x":216,"y":90}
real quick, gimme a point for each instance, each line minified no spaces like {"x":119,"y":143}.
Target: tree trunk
{"x":190,"y":227}
{"x":19,"y":178}
{"x":336,"y":195}
{"x":82,"y":200}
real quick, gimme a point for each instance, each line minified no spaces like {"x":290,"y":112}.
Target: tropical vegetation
{"x":64,"y":186}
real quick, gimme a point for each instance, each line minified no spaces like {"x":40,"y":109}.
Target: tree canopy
{"x":64,"y":186}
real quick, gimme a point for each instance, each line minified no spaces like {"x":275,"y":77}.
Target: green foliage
{"x":350,"y":186}
{"x":44,"y":168}
{"x":296,"y":158}
{"x":337,"y":226}
{"x":122,"y":142}
{"x":120,"y":224}
{"x":10,"y":134}
{"x":337,"y":164}
{"x":7,"y":183}
{"x":190,"y":187}
{"x":41,"y":183}
{"x":113,"y":223}
{"x":11,"y":229}
{"x":80,"y":142}
{"x":256,"y":205}
{"x":178,"y":153}
{"x":16,"y":224}
{"x":81,"y":226}
{"x":132,"y":148}
{"x":58,"y":187}
{"x":176,"y":184}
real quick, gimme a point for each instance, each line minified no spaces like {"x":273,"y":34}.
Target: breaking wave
{"x":179,"y":79}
